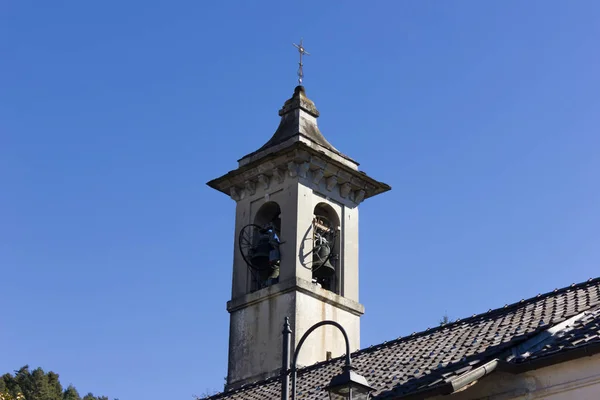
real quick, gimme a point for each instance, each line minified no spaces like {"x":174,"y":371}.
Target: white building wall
{"x":309,"y":311}
{"x":256,"y":322}
{"x":571,"y":380}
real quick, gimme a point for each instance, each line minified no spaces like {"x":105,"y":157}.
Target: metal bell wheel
{"x":255,"y":245}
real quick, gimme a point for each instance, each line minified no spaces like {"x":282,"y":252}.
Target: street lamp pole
{"x":285,"y":359}
{"x":341,"y":386}
{"x":308,"y":332}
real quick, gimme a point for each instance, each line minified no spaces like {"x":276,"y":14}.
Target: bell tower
{"x":296,"y":245}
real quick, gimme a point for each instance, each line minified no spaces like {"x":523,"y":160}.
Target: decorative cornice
{"x":303,"y":169}
{"x":250,"y":187}
{"x":235,"y":193}
{"x":359,"y":196}
{"x":278,"y":175}
{"x":331,"y":182}
{"x":264,"y":181}
{"x":318,"y":175}
{"x":299,"y":162}
{"x":345,"y":190}
{"x":292,"y":169}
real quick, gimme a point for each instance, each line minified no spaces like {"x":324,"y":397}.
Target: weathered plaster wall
{"x":256,"y":323}
{"x":255,"y":337}
{"x":572,"y":380}
{"x":309,"y":311}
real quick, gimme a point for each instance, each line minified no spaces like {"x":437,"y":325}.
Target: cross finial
{"x":302,"y":52}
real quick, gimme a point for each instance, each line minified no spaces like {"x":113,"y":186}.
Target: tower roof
{"x":298,"y":120}
{"x":298,"y":143}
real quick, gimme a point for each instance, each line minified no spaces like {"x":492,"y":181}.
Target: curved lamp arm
{"x":308,"y":332}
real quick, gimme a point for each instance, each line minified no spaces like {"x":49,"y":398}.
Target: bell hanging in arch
{"x":322,"y":267}
{"x":261,"y":252}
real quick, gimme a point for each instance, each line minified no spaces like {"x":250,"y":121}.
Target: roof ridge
{"x":503,"y":309}
{"x":428,"y":331}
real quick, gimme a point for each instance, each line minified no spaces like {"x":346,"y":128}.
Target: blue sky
{"x":115,"y":257}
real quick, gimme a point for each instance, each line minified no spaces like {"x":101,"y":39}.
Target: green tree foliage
{"x":54,"y":387}
{"x":90,"y":396}
{"x":38,"y":385}
{"x":71,"y":394}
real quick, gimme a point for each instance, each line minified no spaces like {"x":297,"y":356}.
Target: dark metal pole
{"x":285,"y":359}
{"x":308,"y":332}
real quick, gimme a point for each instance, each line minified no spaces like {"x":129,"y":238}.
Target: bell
{"x":261,"y":252}
{"x":322,"y":269}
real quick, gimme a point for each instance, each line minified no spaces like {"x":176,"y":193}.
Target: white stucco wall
{"x":256,"y":322}
{"x":255,"y":339}
{"x":572,"y":380}
{"x":309,"y":311}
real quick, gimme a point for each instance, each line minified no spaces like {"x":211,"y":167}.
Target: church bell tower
{"x":295,"y":245}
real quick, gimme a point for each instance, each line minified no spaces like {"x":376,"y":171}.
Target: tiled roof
{"x":583,"y":332}
{"x":435,"y":358}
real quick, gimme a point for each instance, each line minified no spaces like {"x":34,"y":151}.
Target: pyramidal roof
{"x":298,"y":121}
{"x":298,"y":141}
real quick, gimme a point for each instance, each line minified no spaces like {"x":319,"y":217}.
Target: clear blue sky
{"x":115,"y":257}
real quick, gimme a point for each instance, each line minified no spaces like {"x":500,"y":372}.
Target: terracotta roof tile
{"x":433,"y":357}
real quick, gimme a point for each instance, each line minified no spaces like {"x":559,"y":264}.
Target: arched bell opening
{"x":326,"y":247}
{"x":269,"y":214}
{"x":259,"y":245}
